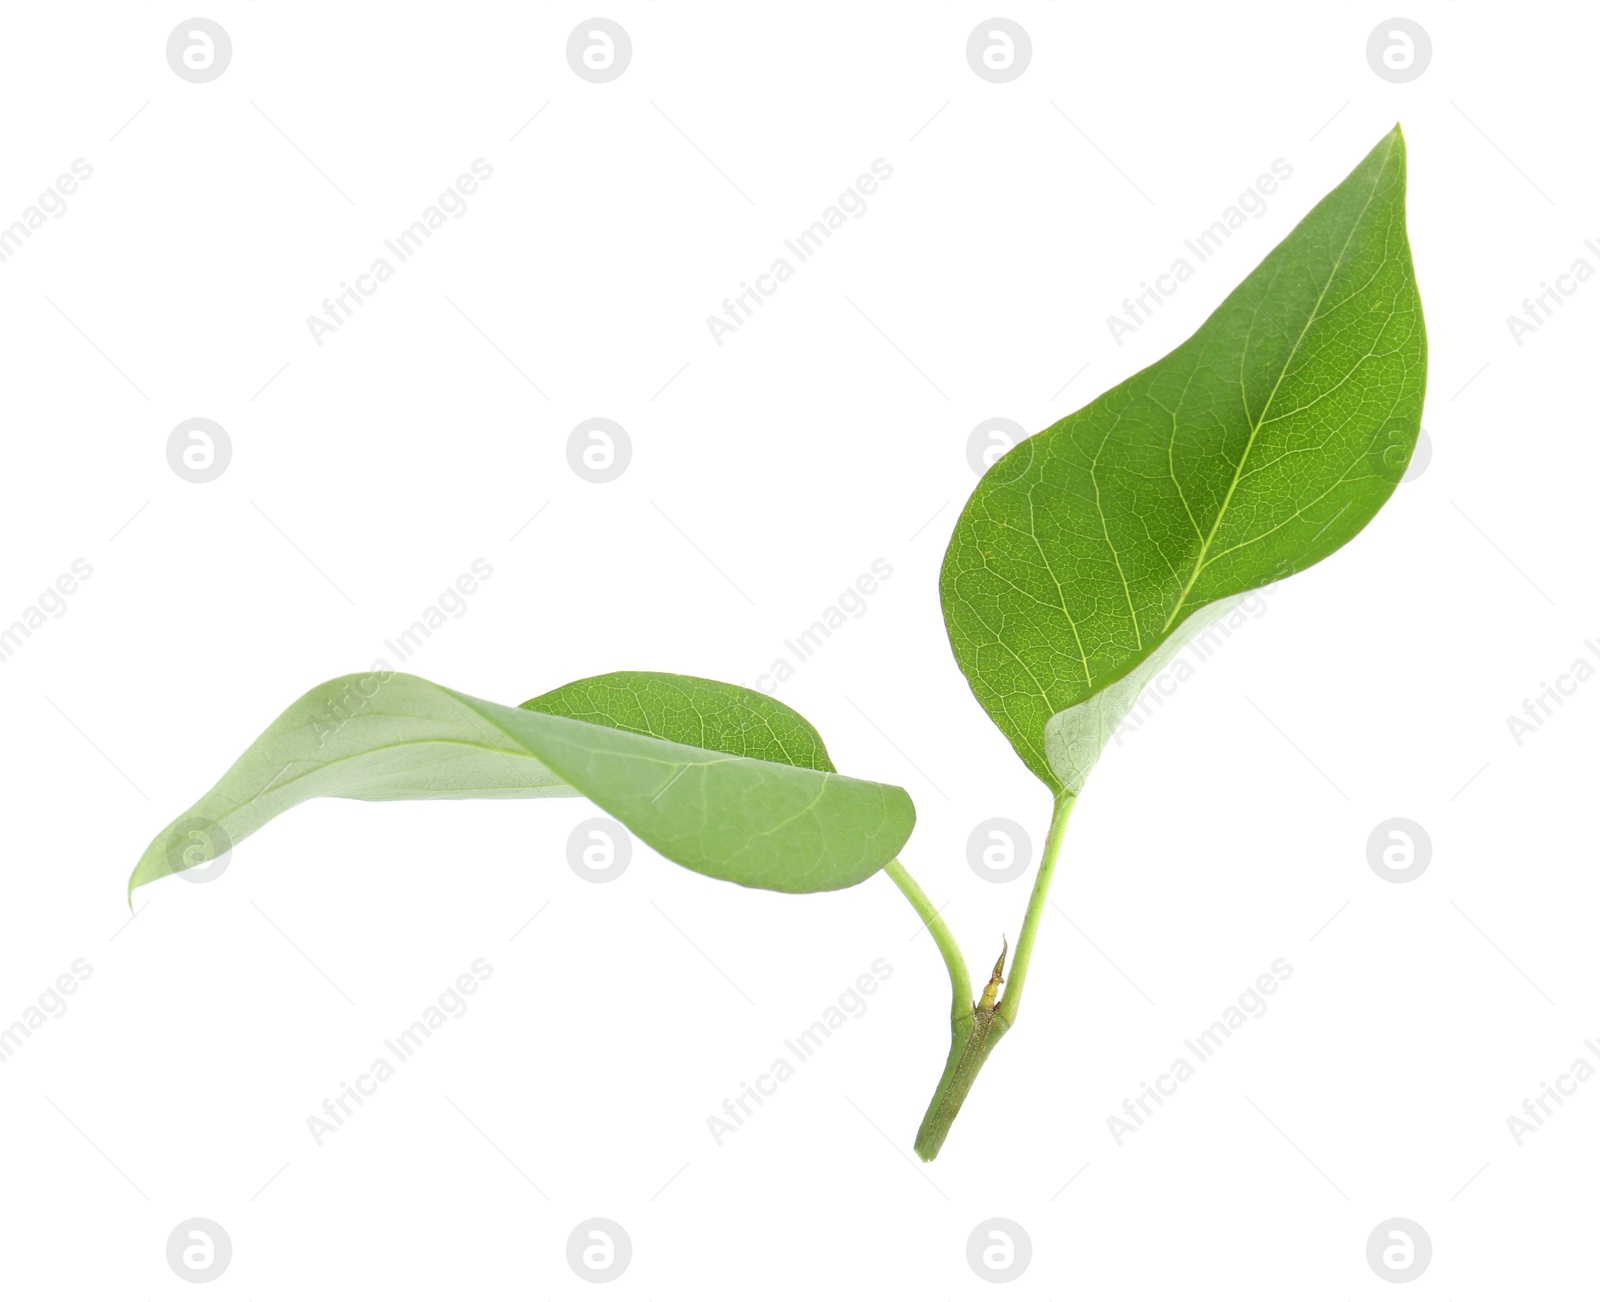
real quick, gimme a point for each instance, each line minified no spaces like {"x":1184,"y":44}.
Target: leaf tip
{"x":136,"y":879}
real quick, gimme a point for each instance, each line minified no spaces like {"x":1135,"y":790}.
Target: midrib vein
{"x":1255,"y":428}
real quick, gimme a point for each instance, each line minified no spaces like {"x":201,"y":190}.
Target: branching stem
{"x":975,"y":1028}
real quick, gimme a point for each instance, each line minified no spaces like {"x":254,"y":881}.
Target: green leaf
{"x":719,"y":779}
{"x":694,"y":712}
{"x":1091,"y":552}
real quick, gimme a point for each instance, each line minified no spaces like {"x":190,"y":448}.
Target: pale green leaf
{"x":717,"y":778}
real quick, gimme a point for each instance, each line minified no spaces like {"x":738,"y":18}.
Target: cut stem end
{"x":972,"y":1040}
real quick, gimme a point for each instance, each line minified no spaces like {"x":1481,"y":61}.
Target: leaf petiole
{"x":1030,"y":921}
{"x":960,"y":982}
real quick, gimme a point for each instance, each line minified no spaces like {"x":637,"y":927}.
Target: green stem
{"x":960,"y":982}
{"x":1030,"y":920}
{"x":975,"y":1029}
{"x":972,"y":1039}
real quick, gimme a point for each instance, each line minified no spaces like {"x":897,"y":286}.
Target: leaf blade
{"x":740,"y":818}
{"x":695,"y":711}
{"x":1257,"y":447}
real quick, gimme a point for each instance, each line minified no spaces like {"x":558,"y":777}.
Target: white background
{"x":427,"y":431}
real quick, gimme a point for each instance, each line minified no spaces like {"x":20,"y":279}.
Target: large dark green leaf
{"x":1090,"y":552}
